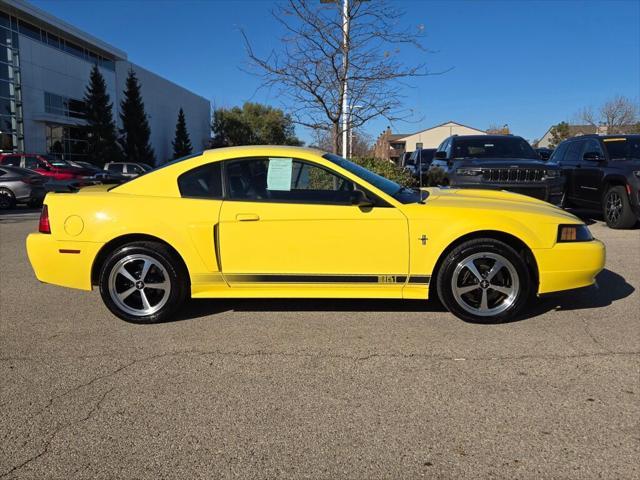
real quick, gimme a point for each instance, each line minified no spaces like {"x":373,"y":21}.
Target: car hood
{"x":499,"y":201}
{"x":504,"y":163}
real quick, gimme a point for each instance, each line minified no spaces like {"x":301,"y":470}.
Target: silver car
{"x":19,"y":185}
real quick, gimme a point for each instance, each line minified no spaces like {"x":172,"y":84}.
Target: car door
{"x":290,"y":225}
{"x":571,"y":162}
{"x":588,"y":175}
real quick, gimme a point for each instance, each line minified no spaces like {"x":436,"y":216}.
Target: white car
{"x":128,"y":169}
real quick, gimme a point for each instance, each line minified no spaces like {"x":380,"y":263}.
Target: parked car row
{"x":25,"y":178}
{"x":590,"y":171}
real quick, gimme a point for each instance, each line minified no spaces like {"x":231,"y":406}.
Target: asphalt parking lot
{"x":318,"y":389}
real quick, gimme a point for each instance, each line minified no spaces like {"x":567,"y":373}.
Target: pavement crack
{"x":57,"y":431}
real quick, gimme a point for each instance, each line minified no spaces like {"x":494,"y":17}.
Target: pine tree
{"x":102,"y":145}
{"x":135,"y":131}
{"x":182,"y":142}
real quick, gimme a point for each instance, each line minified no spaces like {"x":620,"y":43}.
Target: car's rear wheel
{"x":484,"y":281}
{"x":7,"y":199}
{"x":616,"y":208}
{"x":143,"y":282}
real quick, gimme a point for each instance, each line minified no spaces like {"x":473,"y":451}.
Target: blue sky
{"x":525,"y":63}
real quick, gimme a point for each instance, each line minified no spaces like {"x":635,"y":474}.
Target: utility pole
{"x":345,"y":60}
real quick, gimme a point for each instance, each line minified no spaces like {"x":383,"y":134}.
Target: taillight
{"x":43,"y":225}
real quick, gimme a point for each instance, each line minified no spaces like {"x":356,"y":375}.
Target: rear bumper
{"x":567,"y":266}
{"x":67,"y":264}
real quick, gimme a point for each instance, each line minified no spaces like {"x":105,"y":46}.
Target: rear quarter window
{"x":202,"y":182}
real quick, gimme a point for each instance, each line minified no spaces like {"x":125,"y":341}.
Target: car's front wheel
{"x":7,"y":200}
{"x":143,"y":282}
{"x":484,"y":281}
{"x":617,"y":209}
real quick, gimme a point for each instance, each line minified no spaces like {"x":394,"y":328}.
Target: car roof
{"x":485,"y":137}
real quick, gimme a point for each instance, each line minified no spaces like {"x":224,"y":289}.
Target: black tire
{"x":616,"y":208}
{"x":164,"y":266}
{"x":514,"y":278}
{"x":34,"y":203}
{"x":7,"y":199}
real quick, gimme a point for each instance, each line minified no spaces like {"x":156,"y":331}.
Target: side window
{"x":448,"y":147}
{"x":202,"y":182}
{"x":115,"y":167}
{"x":558,"y":153}
{"x":286,"y":180}
{"x":573,"y":152}
{"x":32,"y":162}
{"x":13,"y":160}
{"x":592,"y":145}
{"x":134,"y":169}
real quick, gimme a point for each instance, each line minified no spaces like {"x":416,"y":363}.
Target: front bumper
{"x":571,"y":265}
{"x":63,"y":263}
{"x":550,"y":191}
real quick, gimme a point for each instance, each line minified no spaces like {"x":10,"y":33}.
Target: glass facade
{"x":65,"y":106}
{"x":69,"y":143}
{"x":11,"y":125}
{"x":15,"y":25}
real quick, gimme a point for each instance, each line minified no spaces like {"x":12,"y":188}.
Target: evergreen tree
{"x":182,"y":142}
{"x":135,"y":132}
{"x":102,"y":145}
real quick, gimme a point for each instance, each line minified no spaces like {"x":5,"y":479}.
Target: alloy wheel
{"x":139,"y":285}
{"x":5,"y":200}
{"x":614,"y":207}
{"x":485,"y":284}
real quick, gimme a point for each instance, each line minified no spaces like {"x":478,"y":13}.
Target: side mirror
{"x":441,"y":155}
{"x":360,"y":199}
{"x":592,"y":157}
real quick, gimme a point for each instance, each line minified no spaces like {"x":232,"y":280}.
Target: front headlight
{"x":469,"y":171}
{"x":574,"y":233}
{"x":552,"y":173}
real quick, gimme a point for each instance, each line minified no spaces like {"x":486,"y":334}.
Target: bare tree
{"x":361,"y":143}
{"x":318,"y":59}
{"x":616,"y":115}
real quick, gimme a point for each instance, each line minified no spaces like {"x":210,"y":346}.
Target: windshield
{"x":492,"y":147}
{"x":402,"y":194}
{"x":623,"y":147}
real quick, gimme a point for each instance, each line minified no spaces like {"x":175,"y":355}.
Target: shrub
{"x":386,"y":169}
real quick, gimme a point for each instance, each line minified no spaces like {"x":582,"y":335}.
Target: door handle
{"x":247,"y":217}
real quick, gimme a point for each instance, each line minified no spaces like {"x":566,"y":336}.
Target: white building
{"x":44,"y":70}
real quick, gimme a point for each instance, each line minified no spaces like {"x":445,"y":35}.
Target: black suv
{"x":603,"y":172}
{"x":497,"y":162}
{"x":418,"y":162}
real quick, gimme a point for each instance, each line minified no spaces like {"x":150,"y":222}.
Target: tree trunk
{"x":336,"y":137}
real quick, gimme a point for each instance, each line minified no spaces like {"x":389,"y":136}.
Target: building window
{"x":69,"y":143}
{"x":65,"y":106}
{"x":10,"y":26}
{"x":11,"y":126}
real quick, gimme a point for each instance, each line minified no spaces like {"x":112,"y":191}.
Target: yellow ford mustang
{"x":292,"y":222}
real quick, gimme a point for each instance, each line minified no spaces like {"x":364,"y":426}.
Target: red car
{"x":45,"y":165}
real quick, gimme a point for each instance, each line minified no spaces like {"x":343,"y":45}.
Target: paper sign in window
{"x":279,"y":174}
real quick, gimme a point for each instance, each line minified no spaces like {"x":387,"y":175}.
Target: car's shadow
{"x":611,"y":288}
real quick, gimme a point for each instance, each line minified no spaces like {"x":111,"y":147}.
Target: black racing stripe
{"x":293,"y":278}
{"x":250,"y":278}
{"x":419,"y":279}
